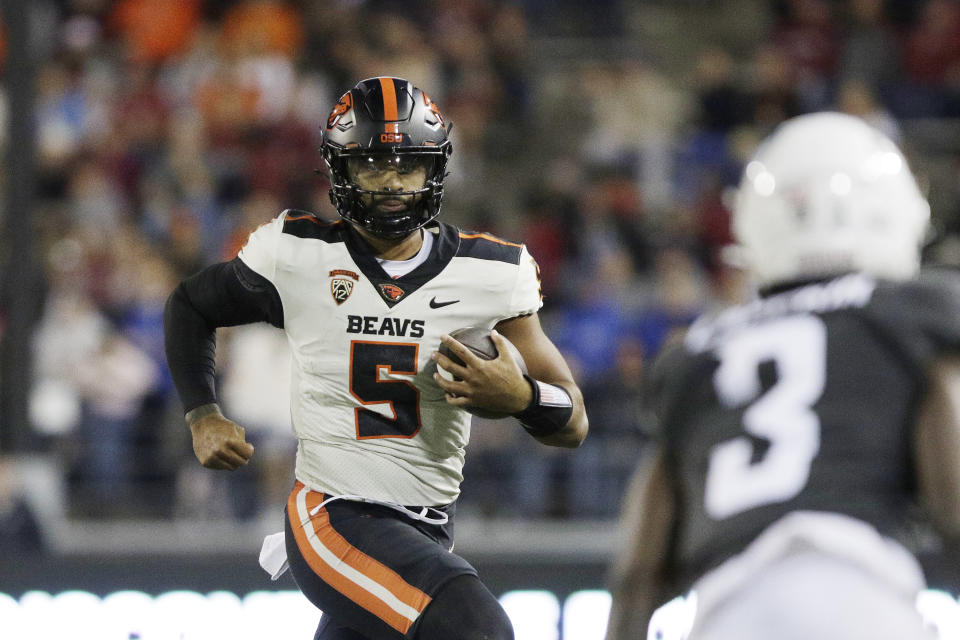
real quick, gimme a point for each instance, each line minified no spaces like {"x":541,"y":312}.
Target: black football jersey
{"x":801,"y":400}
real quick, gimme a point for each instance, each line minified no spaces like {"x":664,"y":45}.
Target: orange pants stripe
{"x":359,"y":577}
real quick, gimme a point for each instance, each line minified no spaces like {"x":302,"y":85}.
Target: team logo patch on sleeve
{"x":341,"y":286}
{"x":391,"y":291}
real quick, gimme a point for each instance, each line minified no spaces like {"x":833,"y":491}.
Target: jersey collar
{"x":394,"y":290}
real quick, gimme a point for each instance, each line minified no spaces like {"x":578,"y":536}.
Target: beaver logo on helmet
{"x":381,"y":120}
{"x":433,"y":109}
{"x":342,"y":107}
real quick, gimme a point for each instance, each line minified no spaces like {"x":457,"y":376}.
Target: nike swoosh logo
{"x":436,"y":305}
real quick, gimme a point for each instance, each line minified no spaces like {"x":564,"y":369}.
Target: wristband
{"x":548,"y":412}
{"x":201,"y":412}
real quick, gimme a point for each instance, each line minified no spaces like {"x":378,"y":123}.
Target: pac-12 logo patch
{"x":391,"y":291}
{"x":341,"y":286}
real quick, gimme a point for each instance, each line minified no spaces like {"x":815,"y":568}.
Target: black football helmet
{"x":386,"y":120}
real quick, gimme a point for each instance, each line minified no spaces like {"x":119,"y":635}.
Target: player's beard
{"x":390,"y":205}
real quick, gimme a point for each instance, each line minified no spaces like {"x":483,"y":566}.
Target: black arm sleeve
{"x":222,"y":295}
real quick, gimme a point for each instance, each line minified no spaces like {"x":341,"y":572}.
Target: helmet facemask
{"x":388,"y":194}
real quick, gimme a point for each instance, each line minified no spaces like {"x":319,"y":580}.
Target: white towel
{"x":273,"y":555}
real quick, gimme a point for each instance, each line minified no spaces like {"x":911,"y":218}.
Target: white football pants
{"x":813,"y":578}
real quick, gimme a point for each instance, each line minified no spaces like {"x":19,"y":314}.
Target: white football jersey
{"x":369,"y":418}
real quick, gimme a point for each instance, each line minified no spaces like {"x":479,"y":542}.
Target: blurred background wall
{"x":144,"y":139}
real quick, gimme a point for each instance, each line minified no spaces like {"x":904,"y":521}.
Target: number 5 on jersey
{"x":369,"y":363}
{"x":783,"y":415}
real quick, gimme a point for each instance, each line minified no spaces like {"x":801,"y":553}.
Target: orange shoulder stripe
{"x":487,"y":236}
{"x":313,"y":219}
{"x":290,"y":218}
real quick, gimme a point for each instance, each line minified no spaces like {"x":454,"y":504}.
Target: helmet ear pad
{"x":390,"y":117}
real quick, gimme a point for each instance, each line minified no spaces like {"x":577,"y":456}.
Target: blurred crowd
{"x":167,"y":131}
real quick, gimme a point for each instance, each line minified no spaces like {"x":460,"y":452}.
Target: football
{"x":478,"y":340}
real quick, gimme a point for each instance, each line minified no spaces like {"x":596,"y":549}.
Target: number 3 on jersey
{"x":782,"y":416}
{"x":369,"y":363}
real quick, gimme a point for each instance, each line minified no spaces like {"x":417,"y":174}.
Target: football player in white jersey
{"x":806,"y":436}
{"x":365,"y":302}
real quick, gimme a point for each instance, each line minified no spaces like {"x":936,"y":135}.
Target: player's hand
{"x":496,"y":385}
{"x":220,"y":443}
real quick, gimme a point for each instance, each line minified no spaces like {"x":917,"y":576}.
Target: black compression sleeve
{"x":222,"y":295}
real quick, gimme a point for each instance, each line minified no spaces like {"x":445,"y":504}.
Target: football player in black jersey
{"x":365,"y":303}
{"x":804,"y":433}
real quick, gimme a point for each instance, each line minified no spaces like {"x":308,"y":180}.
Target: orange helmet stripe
{"x":390,"y":105}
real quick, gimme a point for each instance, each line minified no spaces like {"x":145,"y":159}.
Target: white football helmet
{"x":825,"y":194}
